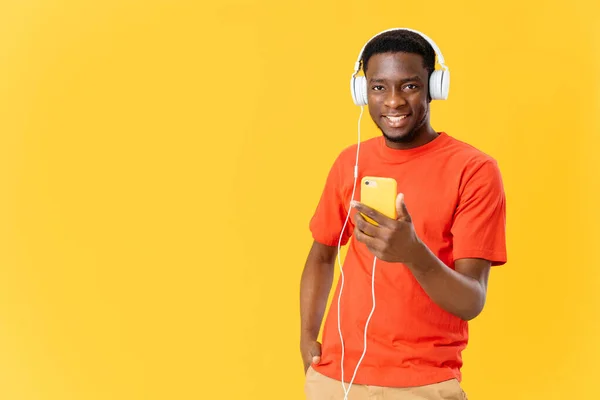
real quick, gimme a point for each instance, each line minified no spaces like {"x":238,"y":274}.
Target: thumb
{"x":315,"y":353}
{"x":401,"y":208}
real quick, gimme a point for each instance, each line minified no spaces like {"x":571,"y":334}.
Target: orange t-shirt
{"x":455,"y":196}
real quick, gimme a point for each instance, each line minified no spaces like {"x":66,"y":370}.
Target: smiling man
{"x":433,"y":261}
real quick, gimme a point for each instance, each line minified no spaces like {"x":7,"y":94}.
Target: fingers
{"x":365,"y":226}
{"x":373,"y":214}
{"x":401,"y":208}
{"x":372,"y":243}
{"x":368,"y":234}
{"x":315,"y":353}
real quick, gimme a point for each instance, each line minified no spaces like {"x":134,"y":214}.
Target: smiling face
{"x":397,"y":90}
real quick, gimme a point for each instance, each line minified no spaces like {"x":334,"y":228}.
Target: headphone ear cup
{"x":439,"y":84}
{"x":353,"y":89}
{"x":362,"y":84}
{"x":358,"y":87}
{"x":435,"y":85}
{"x":445,"y":84}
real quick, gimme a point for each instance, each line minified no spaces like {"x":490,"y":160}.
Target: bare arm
{"x":462,"y":291}
{"x":315,"y":286}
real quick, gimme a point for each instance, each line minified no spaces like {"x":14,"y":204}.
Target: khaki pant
{"x":320,"y":387}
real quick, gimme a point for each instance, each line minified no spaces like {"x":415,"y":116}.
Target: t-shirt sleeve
{"x":479,"y":225}
{"x":331,"y":212}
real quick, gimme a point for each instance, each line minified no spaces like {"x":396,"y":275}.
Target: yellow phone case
{"x":380,"y":194}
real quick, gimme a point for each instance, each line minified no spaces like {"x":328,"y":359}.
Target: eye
{"x":411,"y":87}
{"x":377,"y":88}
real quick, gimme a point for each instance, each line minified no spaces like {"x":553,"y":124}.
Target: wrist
{"x":419,"y":259}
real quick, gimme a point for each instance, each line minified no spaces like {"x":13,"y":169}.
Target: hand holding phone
{"x":380,"y":194}
{"x":384,"y":224}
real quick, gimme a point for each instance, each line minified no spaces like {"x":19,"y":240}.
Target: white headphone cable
{"x":347,"y":391}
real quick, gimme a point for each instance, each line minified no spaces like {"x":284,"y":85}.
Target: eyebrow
{"x":411,"y":79}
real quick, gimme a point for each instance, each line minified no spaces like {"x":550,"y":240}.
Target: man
{"x":433,"y":261}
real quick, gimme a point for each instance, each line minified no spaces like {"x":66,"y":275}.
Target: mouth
{"x":396,"y":121}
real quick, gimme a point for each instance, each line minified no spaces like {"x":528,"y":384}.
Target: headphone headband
{"x":436,"y":49}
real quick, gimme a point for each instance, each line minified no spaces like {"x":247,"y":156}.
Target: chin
{"x":400,"y":137}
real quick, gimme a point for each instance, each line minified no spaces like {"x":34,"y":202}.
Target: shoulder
{"x":467,"y":151}
{"x":474,"y":167}
{"x":470,"y":157}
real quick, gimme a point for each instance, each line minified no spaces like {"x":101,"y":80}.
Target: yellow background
{"x":160,"y":161}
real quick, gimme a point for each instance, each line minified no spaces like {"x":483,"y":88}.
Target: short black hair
{"x":400,"y":41}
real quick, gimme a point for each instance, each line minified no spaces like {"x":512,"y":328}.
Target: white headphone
{"x":439,"y":82}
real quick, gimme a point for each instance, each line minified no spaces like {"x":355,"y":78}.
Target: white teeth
{"x":396,"y":119}
{"x":395,"y":122}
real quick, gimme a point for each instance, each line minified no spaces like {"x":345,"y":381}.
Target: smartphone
{"x":380,"y":194}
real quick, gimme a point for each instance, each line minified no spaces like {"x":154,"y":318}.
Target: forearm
{"x":315,"y":285}
{"x":454,"y":292}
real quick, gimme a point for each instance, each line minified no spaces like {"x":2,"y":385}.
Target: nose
{"x":394,"y":99}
